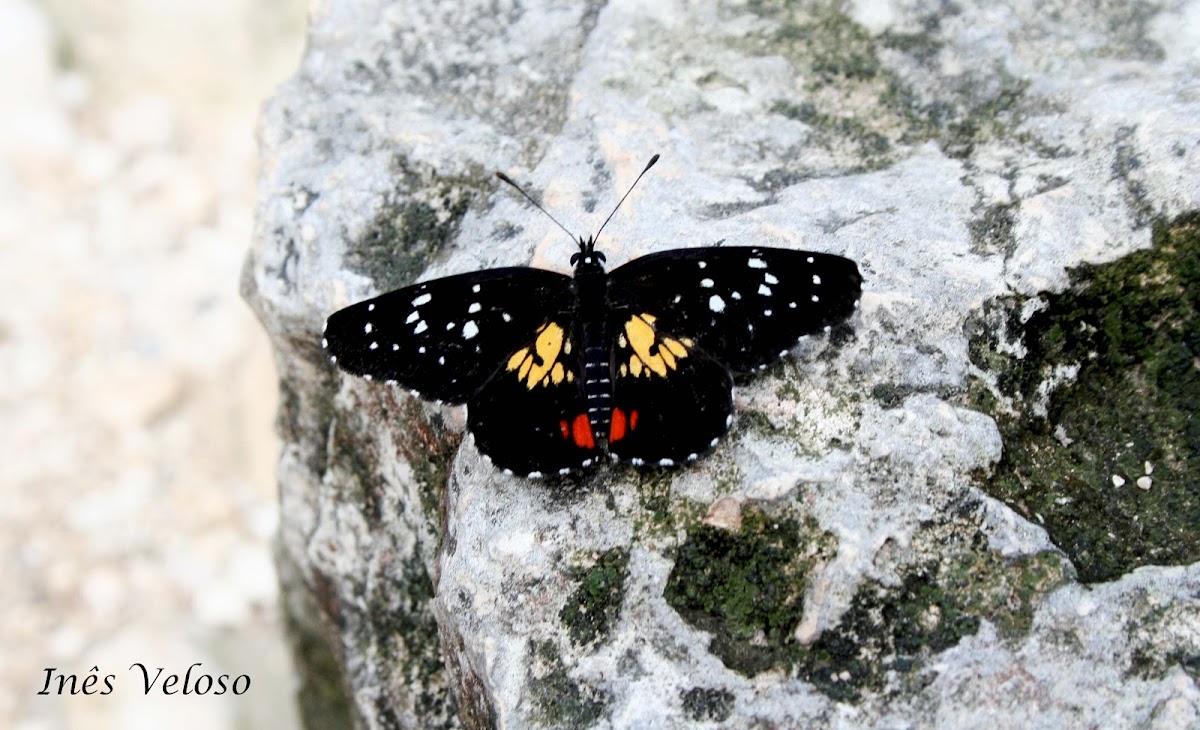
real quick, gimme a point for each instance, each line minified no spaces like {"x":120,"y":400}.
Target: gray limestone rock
{"x":974,"y":505}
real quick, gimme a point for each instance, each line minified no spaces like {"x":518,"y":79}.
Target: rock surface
{"x":886,"y":537}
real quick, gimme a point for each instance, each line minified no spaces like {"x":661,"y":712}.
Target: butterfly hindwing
{"x":671,"y":400}
{"x":742,"y":305}
{"x":531,"y":416}
{"x":443,"y":338}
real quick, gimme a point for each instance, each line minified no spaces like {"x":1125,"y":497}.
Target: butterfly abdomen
{"x":597,"y":352}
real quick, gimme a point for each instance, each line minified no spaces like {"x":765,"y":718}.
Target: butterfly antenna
{"x":528,"y":197}
{"x":645,"y":169}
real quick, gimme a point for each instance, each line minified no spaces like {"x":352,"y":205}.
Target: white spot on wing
{"x":421,"y":350}
{"x":736,"y":295}
{"x":423,"y":299}
{"x":421,"y":327}
{"x":395,"y":347}
{"x":770,"y":279}
{"x":816,"y":298}
{"x":470,"y":329}
{"x":703,"y":264}
{"x":706,"y":283}
{"x":764,"y":290}
{"x":474,"y":308}
{"x":716,"y":303}
{"x":506,"y":316}
{"x":810,"y":259}
{"x":368,"y":328}
{"x":757,"y":264}
{"x":475,"y":288}
{"x":449,"y":326}
{"x":324,"y":343}
{"x":374,"y":346}
{"x":816,"y":279}
{"x":412,"y":317}
{"x":370,"y":307}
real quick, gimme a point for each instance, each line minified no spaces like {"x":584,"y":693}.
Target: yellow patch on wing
{"x":651,"y":353}
{"x":541,"y":365}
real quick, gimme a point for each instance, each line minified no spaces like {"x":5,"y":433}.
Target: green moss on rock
{"x":591,"y":611}
{"x":558,"y":700}
{"x":746,"y":587}
{"x":710,"y":704}
{"x":1101,"y":437}
{"x":415,"y":223}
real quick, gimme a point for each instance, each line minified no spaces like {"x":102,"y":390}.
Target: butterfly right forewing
{"x":743,"y":305}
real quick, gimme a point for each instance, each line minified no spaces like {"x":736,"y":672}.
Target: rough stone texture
{"x":873,"y":544}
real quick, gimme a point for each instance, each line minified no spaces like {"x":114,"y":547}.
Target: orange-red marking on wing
{"x":616,"y":430}
{"x":632,"y":420}
{"x":565,"y":428}
{"x":582,"y":431}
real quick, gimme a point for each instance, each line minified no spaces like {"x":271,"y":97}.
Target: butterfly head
{"x":588,"y":258}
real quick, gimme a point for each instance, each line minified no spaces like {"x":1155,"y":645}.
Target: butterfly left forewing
{"x":443,"y":338}
{"x":671,"y":400}
{"x":743,"y":305}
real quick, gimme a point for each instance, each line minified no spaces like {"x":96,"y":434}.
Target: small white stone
{"x":1149,"y":468}
{"x":1144,"y":483}
{"x":1118,"y":481}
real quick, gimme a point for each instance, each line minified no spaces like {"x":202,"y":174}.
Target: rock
{"x":926,"y":531}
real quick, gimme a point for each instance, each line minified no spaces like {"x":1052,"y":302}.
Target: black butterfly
{"x":556,"y":371}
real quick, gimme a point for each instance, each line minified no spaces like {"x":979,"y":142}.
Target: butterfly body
{"x":636,"y":363}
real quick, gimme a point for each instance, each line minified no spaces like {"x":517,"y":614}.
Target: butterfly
{"x":557,"y":371}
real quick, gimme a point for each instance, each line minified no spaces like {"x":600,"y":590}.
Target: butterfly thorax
{"x":591,"y":291}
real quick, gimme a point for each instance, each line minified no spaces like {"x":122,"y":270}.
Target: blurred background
{"x":136,"y":389}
